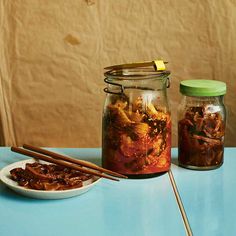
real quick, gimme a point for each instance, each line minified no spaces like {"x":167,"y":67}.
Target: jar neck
{"x":200,"y":101}
{"x":121,"y":86}
{"x":136,"y":79}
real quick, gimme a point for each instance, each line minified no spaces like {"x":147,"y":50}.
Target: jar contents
{"x":201,"y":137}
{"x":137,"y":136}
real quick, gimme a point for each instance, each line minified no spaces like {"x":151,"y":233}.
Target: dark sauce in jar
{"x":201,"y":124}
{"x":201,"y":138}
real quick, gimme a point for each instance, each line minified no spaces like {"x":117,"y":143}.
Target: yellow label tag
{"x":159,"y":64}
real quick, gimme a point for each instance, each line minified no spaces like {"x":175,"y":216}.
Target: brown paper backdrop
{"x":53,"y":54}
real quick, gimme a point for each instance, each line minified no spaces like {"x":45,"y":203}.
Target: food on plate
{"x":48,"y":177}
{"x":136,"y":137}
{"x":201,"y":137}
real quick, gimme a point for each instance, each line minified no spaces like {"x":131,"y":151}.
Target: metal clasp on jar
{"x":121,"y":88}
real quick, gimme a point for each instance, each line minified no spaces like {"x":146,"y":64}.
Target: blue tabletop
{"x":129,"y":207}
{"x":208,"y":196}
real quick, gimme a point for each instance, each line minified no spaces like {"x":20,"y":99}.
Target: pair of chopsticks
{"x":66,"y":161}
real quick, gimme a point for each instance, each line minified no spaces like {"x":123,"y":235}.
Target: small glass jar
{"x":201,"y":124}
{"x":136,"y":133}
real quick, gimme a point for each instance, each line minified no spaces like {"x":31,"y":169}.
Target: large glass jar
{"x":136,"y":139}
{"x":201,"y":124}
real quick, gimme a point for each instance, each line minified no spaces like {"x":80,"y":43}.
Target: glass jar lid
{"x":202,"y":88}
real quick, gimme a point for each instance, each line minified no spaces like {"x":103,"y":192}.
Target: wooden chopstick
{"x":59,"y":162}
{"x":72,"y":160}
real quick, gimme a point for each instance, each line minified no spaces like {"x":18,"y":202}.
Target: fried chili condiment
{"x":201,"y":124}
{"x":137,"y":141}
{"x":48,"y":177}
{"x":201,"y":137}
{"x":136,"y":138}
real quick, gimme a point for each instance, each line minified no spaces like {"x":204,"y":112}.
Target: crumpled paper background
{"x":53,"y":54}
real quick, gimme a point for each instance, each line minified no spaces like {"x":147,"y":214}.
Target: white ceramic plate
{"x":42,"y":194}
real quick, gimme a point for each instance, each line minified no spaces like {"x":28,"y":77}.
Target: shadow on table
{"x":174,"y":160}
{"x":10,"y":194}
{"x":94,"y":160}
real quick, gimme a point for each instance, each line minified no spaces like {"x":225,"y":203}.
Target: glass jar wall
{"x":136,"y":137}
{"x":201,"y":124}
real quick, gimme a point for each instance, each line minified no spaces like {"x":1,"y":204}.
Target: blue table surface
{"x":208,"y":196}
{"x":129,"y":207}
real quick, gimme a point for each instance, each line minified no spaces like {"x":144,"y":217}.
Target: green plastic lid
{"x":202,"y":88}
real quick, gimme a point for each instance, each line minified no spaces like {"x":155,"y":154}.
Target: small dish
{"x":42,"y":194}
